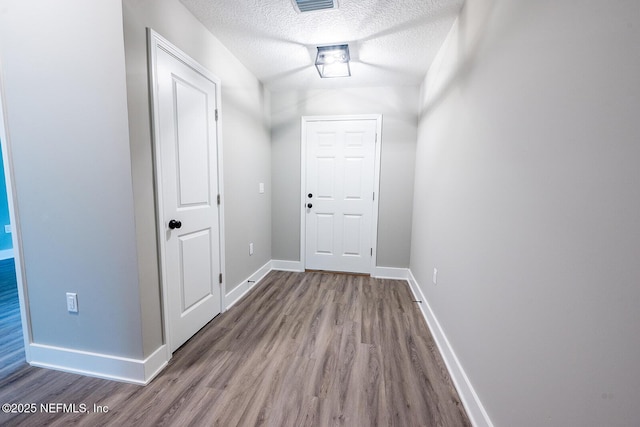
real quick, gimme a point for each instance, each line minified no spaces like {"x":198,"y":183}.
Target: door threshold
{"x":338,"y":272}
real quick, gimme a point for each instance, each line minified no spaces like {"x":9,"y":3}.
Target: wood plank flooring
{"x":11,"y":343}
{"x":301,"y":349}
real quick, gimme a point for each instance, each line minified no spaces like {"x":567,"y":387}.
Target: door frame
{"x":16,"y":231}
{"x":155,"y":42}
{"x":376,"y":179}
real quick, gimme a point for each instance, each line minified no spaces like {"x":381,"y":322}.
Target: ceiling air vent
{"x":314,"y":5}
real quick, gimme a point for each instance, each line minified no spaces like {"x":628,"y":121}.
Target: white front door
{"x":339,"y":194}
{"x":188,"y":182}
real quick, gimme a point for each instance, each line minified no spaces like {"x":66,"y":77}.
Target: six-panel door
{"x":339,"y":194}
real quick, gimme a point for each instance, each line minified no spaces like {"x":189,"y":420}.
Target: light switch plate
{"x":72,"y":302}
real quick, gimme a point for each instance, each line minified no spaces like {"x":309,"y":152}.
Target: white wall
{"x":399,"y":126}
{"x":244,"y":117}
{"x":526,"y":200}
{"x":64,"y":82}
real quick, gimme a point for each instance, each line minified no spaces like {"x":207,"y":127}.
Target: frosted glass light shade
{"x":333,"y":61}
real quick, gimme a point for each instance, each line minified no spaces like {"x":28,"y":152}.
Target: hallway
{"x":300,"y":349}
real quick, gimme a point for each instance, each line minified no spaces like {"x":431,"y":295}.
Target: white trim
{"x":376,"y":190}
{"x":155,"y":42}
{"x":155,"y":363}
{"x":14,"y":219}
{"x":98,"y":365}
{"x":246,"y":285}
{"x":282,"y":265}
{"x":391,"y":273}
{"x":376,"y":179}
{"x":470,"y":400}
{"x":6,"y":253}
{"x":303,"y":180}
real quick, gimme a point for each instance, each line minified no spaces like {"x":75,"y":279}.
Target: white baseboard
{"x":6,"y":254}
{"x":155,"y":363}
{"x":475,"y":410}
{"x":246,"y":285}
{"x":379,"y":272}
{"x":391,"y":273}
{"x":281,"y":265}
{"x":98,"y":365}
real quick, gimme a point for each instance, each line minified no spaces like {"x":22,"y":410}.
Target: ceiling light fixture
{"x":333,"y":61}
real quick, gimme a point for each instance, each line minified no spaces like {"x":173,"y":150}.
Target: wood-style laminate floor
{"x":11,"y":343}
{"x":301,"y":349}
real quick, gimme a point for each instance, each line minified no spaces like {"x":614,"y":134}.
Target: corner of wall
{"x":470,"y":400}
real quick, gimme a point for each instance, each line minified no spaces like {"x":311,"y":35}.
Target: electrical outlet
{"x":261,"y":188}
{"x":250,"y":248}
{"x":72,"y":302}
{"x":435,"y":276}
{"x":7,"y":228}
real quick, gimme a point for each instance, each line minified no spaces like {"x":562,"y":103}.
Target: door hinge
{"x":218,"y":200}
{"x":371,"y":251}
{"x":216,"y":114}
{"x":374,"y":195}
{"x":220,"y":278}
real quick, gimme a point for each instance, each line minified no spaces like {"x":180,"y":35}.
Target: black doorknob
{"x":174,"y":224}
{"x":309,"y":205}
{"x":310,"y":195}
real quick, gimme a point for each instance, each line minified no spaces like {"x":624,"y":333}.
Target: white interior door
{"x":340,"y":167}
{"x":187,"y":150}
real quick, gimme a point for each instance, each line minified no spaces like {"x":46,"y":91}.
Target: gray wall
{"x":527,"y":200}
{"x":64,"y":85}
{"x":399,"y":107}
{"x":246,"y":150}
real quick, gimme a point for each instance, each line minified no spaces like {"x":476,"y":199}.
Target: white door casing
{"x":186,"y":143}
{"x":16,"y":232}
{"x":340,"y":165}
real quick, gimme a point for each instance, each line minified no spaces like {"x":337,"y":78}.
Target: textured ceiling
{"x":391,"y":42}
